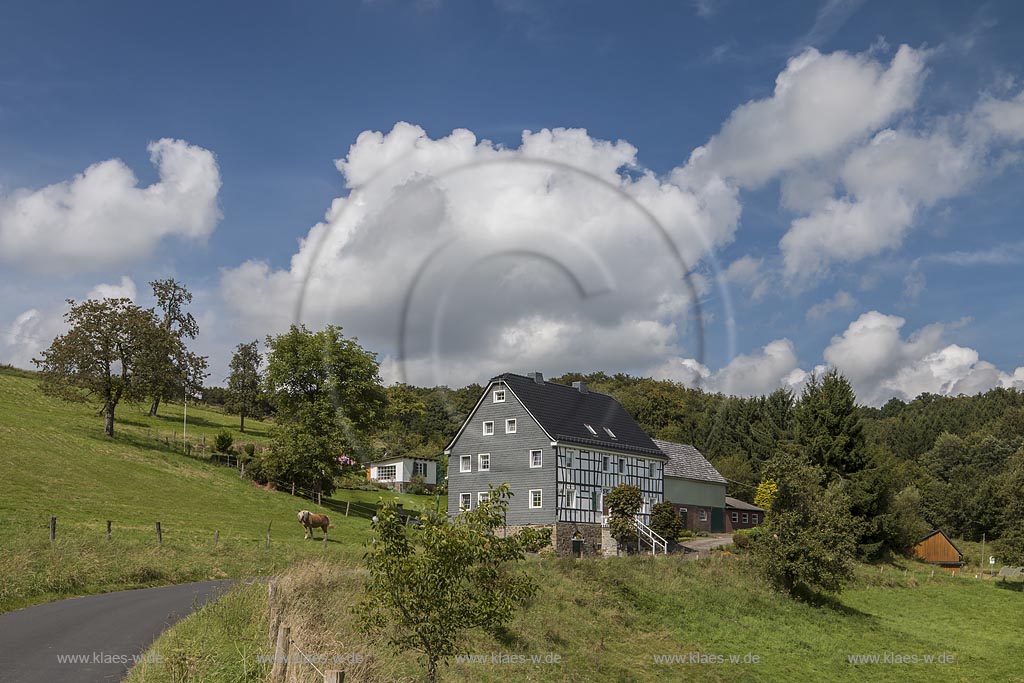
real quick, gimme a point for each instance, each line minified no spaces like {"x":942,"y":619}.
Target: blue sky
{"x":262,"y":98}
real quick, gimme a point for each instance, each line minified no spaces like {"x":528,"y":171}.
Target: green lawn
{"x":55,"y":460}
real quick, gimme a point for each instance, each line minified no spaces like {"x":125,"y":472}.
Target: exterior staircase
{"x":651,"y":538}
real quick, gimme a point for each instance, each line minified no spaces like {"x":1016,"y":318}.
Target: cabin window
{"x":590,"y":429}
{"x":570,"y":498}
{"x":466,"y":463}
{"x":499,"y":395}
{"x":745,"y":519}
{"x":419,"y":468}
{"x":610,"y":433}
{"x":483,"y":496}
{"x":510,"y":426}
{"x":703,"y":515}
{"x":536,"y":498}
{"x":386,"y":472}
{"x":735,"y":516}
{"x":652,"y":469}
{"x":465,"y":499}
{"x":536,"y":458}
{"x":483,"y":462}
{"x":488,"y":428}
{"x":622,"y":465}
{"x":568,"y":456}
{"x":753,"y":517}
{"x":605,"y":462}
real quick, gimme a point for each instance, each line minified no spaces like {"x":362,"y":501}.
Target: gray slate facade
{"x":588,"y":444}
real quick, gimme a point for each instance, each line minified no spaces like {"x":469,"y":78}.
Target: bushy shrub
{"x":666,"y":521}
{"x":250,"y":450}
{"x":416,"y":485}
{"x":534,"y":540}
{"x":743,"y":538}
{"x":223,"y":441}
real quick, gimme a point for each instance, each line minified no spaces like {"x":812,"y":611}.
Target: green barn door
{"x":717,"y":520}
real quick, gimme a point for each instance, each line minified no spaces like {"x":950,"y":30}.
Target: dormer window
{"x":610,"y":433}
{"x":499,"y":395}
{"x":590,"y":429}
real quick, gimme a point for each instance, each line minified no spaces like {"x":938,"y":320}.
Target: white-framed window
{"x":387,"y":472}
{"x":605,"y":462}
{"x":590,"y":429}
{"x":610,"y":433}
{"x":483,"y":496}
{"x":536,"y":498}
{"x":537,"y":458}
{"x":483,"y":462}
{"x":465,"y":500}
{"x":570,"y":497}
{"x":488,"y":427}
{"x":510,"y":426}
{"x":499,"y":395}
{"x":586,"y":499}
{"x":652,"y":469}
{"x":753,"y":517}
{"x":735,"y":516}
{"x":569,"y":453}
{"x":622,"y":465}
{"x":466,"y":463}
{"x":703,"y":515}
{"x":745,"y":519}
{"x":419,"y":468}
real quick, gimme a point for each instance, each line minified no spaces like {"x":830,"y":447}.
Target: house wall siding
{"x":510,"y":460}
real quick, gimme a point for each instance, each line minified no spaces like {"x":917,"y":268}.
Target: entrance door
{"x":717,"y":520}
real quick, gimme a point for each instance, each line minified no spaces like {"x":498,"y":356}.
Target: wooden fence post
{"x":274,"y":619}
{"x":216,"y":537}
{"x":53,"y":529}
{"x":334,"y":676}
{"x":108,"y":531}
{"x":268,"y":533}
{"x":293,"y":488}
{"x":280,"y":669}
{"x":159,"y":534}
{"x":347,"y":504}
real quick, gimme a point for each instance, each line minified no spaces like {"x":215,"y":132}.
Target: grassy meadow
{"x":55,"y":460}
{"x":623,"y":619}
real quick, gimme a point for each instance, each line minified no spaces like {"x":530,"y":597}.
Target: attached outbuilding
{"x":742,"y":515}
{"x":937,"y":548}
{"x":694,"y":487}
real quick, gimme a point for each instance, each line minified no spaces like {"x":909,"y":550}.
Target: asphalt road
{"x":103,"y":634}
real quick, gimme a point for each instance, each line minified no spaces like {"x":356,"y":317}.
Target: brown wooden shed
{"x":936,"y":548}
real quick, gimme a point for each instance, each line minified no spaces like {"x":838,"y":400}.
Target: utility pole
{"x":982,"y":563}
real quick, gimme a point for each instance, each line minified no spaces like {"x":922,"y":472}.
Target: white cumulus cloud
{"x":103,"y":218}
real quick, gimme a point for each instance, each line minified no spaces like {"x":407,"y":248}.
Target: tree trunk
{"x":432,"y":670}
{"x":153,"y":408}
{"x":243,"y":423}
{"x":108,"y":414}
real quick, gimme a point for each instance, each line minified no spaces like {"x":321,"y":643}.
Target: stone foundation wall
{"x":565,"y":532}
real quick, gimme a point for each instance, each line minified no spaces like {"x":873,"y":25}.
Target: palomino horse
{"x":310,"y":521}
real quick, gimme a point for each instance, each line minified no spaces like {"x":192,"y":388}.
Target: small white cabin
{"x":398,"y":472}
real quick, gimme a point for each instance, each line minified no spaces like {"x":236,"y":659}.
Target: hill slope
{"x":56,"y":461}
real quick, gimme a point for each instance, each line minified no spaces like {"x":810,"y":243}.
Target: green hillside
{"x":55,"y":460}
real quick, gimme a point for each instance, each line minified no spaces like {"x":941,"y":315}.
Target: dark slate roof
{"x":741,"y":504}
{"x":687,"y":462}
{"x":564,"y":412}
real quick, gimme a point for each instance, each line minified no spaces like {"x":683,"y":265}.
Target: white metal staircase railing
{"x":647,"y":535}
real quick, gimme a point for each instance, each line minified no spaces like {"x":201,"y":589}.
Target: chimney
{"x":580,"y":387}
{"x":537,"y":377}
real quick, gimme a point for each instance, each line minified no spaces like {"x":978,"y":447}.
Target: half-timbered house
{"x":561,"y":449}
